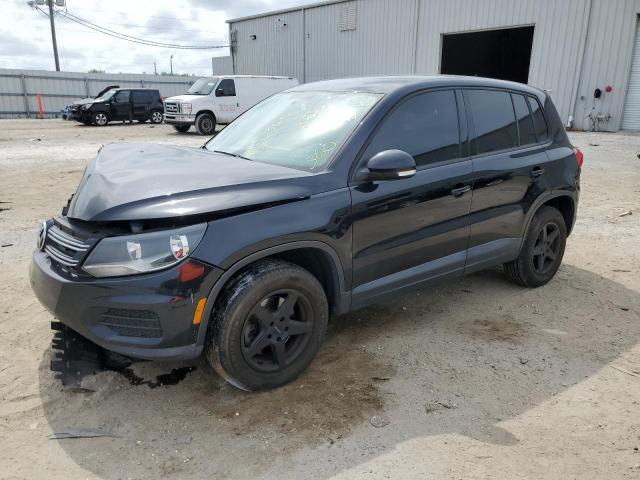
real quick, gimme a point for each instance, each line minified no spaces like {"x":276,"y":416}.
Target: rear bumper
{"x":146,"y":316}
{"x":179,"y":119}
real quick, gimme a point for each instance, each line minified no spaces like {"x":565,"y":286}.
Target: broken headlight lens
{"x":143,"y":252}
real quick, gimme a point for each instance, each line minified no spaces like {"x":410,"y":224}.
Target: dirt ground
{"x":476,"y":378}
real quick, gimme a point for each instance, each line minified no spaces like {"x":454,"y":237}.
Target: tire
{"x":100,"y":119}
{"x":182,"y":128}
{"x":249,"y":343}
{"x":156,"y":116}
{"x":542,"y":251}
{"x":205,"y":124}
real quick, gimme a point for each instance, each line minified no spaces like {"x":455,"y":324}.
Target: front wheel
{"x":182,"y":128}
{"x":205,"y":124}
{"x":100,"y":119}
{"x":268,"y":325}
{"x":156,"y":116}
{"x":542,"y":251}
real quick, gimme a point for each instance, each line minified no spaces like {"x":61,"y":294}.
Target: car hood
{"x":184,"y":98}
{"x":140,"y":181}
{"x":84,"y":101}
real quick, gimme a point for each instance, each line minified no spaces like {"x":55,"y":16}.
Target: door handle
{"x":459,"y":191}
{"x":537,"y":171}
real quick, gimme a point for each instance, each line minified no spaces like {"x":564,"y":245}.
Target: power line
{"x":130,"y":38}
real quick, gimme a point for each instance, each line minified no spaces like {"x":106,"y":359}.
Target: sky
{"x":25,"y":41}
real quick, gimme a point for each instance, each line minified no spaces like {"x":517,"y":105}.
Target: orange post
{"x":40,"y":110}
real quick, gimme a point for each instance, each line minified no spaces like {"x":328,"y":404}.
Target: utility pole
{"x":155,"y":68}
{"x":53,"y":35}
{"x":171,"y":63}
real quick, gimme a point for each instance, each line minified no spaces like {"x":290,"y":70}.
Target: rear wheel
{"x":542,"y":252}
{"x":205,"y":124}
{"x":100,"y":119}
{"x":269,"y":325}
{"x":182,"y":128}
{"x":156,"y":116}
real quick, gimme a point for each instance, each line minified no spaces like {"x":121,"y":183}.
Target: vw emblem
{"x":42,"y":235}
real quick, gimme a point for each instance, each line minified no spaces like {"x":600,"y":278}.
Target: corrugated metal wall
{"x":19,"y":88}
{"x":222,"y":65}
{"x":277,"y":48}
{"x":607,"y":61}
{"x":576,"y":47}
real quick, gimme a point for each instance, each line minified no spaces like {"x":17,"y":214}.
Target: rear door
{"x":140,"y":101}
{"x":509,"y":138}
{"x":410,"y":230}
{"x":121,"y":105}
{"x":227,"y":103}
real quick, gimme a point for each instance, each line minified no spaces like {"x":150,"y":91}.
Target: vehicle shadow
{"x":457,"y":358}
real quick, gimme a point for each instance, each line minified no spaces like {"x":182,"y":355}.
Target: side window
{"x":138,"y":96}
{"x":226,"y":88}
{"x":425,"y":126}
{"x":538,"y":119}
{"x":122,"y":96}
{"x":525,"y":120}
{"x":494,"y":120}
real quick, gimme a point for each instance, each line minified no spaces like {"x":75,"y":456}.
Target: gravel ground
{"x":476,"y":378}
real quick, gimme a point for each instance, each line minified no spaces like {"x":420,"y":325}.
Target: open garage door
{"x":502,"y":53}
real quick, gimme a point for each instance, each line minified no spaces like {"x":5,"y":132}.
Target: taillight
{"x":579,"y":156}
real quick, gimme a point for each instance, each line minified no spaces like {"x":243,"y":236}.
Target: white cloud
{"x":26,"y":38}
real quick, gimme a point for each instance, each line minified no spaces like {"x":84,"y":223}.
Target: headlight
{"x":185,"y":107}
{"x":144,"y":252}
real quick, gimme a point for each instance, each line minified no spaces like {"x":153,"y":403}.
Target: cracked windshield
{"x":300,"y":130}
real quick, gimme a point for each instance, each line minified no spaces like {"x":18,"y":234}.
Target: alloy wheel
{"x":156,"y":117}
{"x":277,"y":330}
{"x":100,"y":119}
{"x":546,"y":248}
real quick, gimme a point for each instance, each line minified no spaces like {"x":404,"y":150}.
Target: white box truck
{"x":219,"y":100}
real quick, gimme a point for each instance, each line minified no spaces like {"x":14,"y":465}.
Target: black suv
{"x":317,"y":201}
{"x":139,"y":104}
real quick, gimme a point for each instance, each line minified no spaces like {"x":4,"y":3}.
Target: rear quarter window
{"x":526,"y":127}
{"x":539,"y":122}
{"x":494,"y":120}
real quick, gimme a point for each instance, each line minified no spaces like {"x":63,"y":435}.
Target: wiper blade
{"x":232,"y":155}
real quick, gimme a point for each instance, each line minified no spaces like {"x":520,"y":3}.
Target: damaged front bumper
{"x":148,"y":316}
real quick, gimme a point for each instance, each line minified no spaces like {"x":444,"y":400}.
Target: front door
{"x":411,"y":230}
{"x":121,"y":105}
{"x":227,"y":103}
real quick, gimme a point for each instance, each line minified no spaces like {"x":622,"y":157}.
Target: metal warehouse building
{"x":586,"y":53}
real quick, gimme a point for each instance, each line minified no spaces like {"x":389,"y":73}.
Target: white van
{"x":219,"y":100}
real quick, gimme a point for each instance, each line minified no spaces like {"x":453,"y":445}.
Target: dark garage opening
{"x":504,"y":53}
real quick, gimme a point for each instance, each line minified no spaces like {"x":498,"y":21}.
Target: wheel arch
{"x":317,"y":257}
{"x":210,"y":112}
{"x":565,"y":202}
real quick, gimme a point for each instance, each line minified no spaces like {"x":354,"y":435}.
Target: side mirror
{"x":219,"y":92}
{"x":390,"y":165}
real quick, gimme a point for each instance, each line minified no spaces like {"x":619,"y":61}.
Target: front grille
{"x":64,"y":248}
{"x":170,"y":107}
{"x":132,"y":323}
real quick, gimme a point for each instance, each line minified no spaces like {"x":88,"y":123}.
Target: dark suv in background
{"x":123,"y":104}
{"x":317,"y":201}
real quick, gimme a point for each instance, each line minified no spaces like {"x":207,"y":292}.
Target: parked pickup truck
{"x":219,"y":100}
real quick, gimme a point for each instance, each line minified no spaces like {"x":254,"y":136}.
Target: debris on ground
{"x":627,"y":213}
{"x":435,"y":406}
{"x":81,"y":433}
{"x":379,"y":421}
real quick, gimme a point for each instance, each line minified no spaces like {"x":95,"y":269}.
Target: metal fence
{"x":20,"y":90}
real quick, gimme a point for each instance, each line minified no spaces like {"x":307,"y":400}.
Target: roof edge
{"x":285,"y":10}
